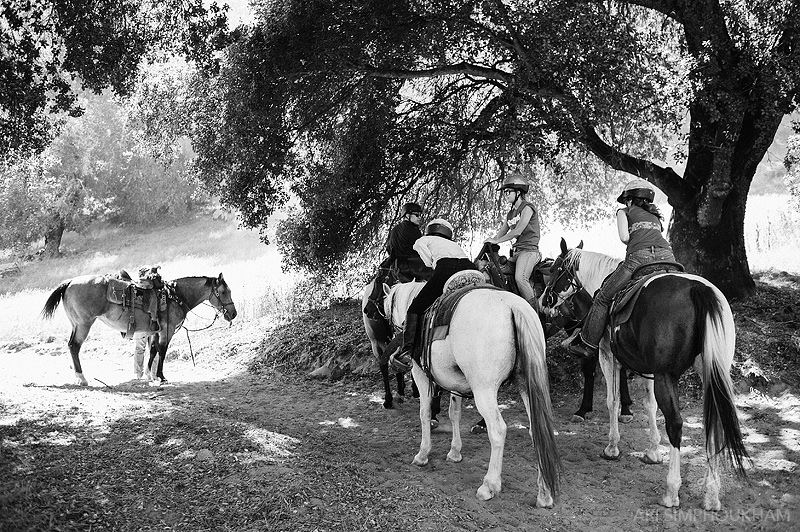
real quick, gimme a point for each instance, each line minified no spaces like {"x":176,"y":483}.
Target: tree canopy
{"x":50,"y":49}
{"x":355,"y":104}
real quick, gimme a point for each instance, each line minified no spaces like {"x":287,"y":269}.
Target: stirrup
{"x":582,"y":350}
{"x":401,"y":361}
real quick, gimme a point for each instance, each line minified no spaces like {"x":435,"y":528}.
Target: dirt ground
{"x":246,"y":441}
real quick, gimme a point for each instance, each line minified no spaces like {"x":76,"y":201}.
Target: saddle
{"x":148,"y":295}
{"x":391,"y":272}
{"x":436,"y":322}
{"x":625,"y":300}
{"x":501,"y":270}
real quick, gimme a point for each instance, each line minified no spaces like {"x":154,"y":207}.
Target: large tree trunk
{"x":52,"y":238}
{"x":717,"y":253}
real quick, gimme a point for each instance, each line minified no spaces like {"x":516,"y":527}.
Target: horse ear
{"x":563,"y":246}
{"x":580,"y":246}
{"x":220,"y":279}
{"x":386,"y":289}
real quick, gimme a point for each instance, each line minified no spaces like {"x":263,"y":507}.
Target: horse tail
{"x":532,"y":369}
{"x":55,"y":298}
{"x":716,"y":328}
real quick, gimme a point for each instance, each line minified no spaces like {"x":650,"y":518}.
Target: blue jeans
{"x":525,"y":262}
{"x":596,"y":320}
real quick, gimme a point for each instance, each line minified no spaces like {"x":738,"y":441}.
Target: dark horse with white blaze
{"x":85,"y":300}
{"x":678,"y":320}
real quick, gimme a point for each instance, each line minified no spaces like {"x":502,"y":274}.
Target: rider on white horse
{"x":446,"y":257}
{"x":639,"y":227}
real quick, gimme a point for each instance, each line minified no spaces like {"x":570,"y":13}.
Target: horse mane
{"x":594,"y":267}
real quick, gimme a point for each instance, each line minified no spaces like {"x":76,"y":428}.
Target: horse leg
{"x":652,"y":455}
{"x":496,"y":429}
{"x":152,"y":362}
{"x":162,"y":355}
{"x":425,"y":385}
{"x":387,"y":389}
{"x":626,"y":416}
{"x":666,"y":393}
{"x":76,"y":339}
{"x":401,"y":386}
{"x":454,"y":412}
{"x":610,"y":369}
{"x":588,"y":368}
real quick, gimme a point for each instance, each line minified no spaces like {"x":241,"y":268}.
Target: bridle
{"x":573,"y":287}
{"x":223,"y":307}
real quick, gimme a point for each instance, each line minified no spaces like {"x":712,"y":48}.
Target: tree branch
{"x":464,"y":68}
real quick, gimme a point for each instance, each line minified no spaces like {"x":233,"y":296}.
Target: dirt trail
{"x":221,"y":449}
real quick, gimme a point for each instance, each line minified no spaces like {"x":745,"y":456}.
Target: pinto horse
{"x":379,"y":332}
{"x":493,"y":336}
{"x":678,"y":320}
{"x":85,"y":301}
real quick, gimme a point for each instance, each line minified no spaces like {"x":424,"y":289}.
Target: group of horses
{"x":678,"y":320}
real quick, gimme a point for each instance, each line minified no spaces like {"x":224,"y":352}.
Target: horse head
{"x":563,"y":281}
{"x":221,"y":298}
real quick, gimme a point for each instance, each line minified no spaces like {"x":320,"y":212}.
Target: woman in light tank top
{"x":521,"y":225}
{"x":639,"y":227}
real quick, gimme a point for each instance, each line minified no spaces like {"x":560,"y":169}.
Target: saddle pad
{"x":461,"y":279}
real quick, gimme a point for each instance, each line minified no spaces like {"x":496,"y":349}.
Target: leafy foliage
{"x":47,"y":48}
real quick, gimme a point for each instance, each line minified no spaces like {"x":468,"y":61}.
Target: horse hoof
{"x":649,"y":461}
{"x":484,"y":493}
{"x":434,"y":423}
{"x":577,"y":418}
{"x":625,"y":418}
{"x":670,"y":502}
{"x":477,"y":428}
{"x":454,"y":457}
{"x":608,"y":457}
{"x":420,"y":462}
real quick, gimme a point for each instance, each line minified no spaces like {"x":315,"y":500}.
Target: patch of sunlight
{"x":518,"y":425}
{"x":174,"y":442}
{"x":753,"y":436}
{"x":775,"y":460}
{"x":57,"y":438}
{"x":271,"y":443}
{"x":249,"y":457}
{"x":344,"y":422}
{"x":375,"y":398}
{"x":790,"y":438}
{"x":693,"y":422}
{"x":101,"y":260}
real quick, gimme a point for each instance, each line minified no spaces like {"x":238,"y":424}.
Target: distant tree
{"x":50,"y":49}
{"x":364,"y":102}
{"x":792,"y":163}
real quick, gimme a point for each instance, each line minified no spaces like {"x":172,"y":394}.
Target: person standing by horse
{"x":149,"y":277}
{"x":438,"y":251}
{"x":522,"y":226}
{"x":639,"y":227}
{"x":402,"y":258}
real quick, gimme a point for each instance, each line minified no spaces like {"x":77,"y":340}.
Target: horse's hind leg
{"x":387,"y":388}
{"x":626,"y":416}
{"x":666,"y":393}
{"x":76,"y":339}
{"x":611,"y":369}
{"x":496,"y":428}
{"x":652,"y":454}
{"x":588,"y":369}
{"x":454,"y":413}
{"x":425,"y":390}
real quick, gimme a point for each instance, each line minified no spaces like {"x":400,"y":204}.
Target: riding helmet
{"x":516,"y":181}
{"x":412,"y":208}
{"x":440,"y":227}
{"x":638,"y":188}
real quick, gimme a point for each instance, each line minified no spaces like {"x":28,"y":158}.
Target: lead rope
{"x":191,"y":352}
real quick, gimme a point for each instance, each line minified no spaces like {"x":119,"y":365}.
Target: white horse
{"x":494,"y":335}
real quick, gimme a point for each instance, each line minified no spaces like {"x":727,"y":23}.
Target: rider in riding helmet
{"x":522,"y":224}
{"x":400,"y":247}
{"x":639,"y":226}
{"x":439,"y":252}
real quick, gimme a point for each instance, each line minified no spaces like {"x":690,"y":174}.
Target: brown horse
{"x":85,"y":301}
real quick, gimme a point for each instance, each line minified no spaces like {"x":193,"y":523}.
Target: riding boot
{"x":592,"y":332}
{"x":401,"y":358}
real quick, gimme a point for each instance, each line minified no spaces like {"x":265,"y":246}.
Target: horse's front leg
{"x":424,"y":386}
{"x":588,"y":368}
{"x":496,"y":428}
{"x":455,"y":419}
{"x":76,"y":339}
{"x":387,"y":388}
{"x":610,"y":369}
{"x":162,"y":355}
{"x":400,"y":377}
